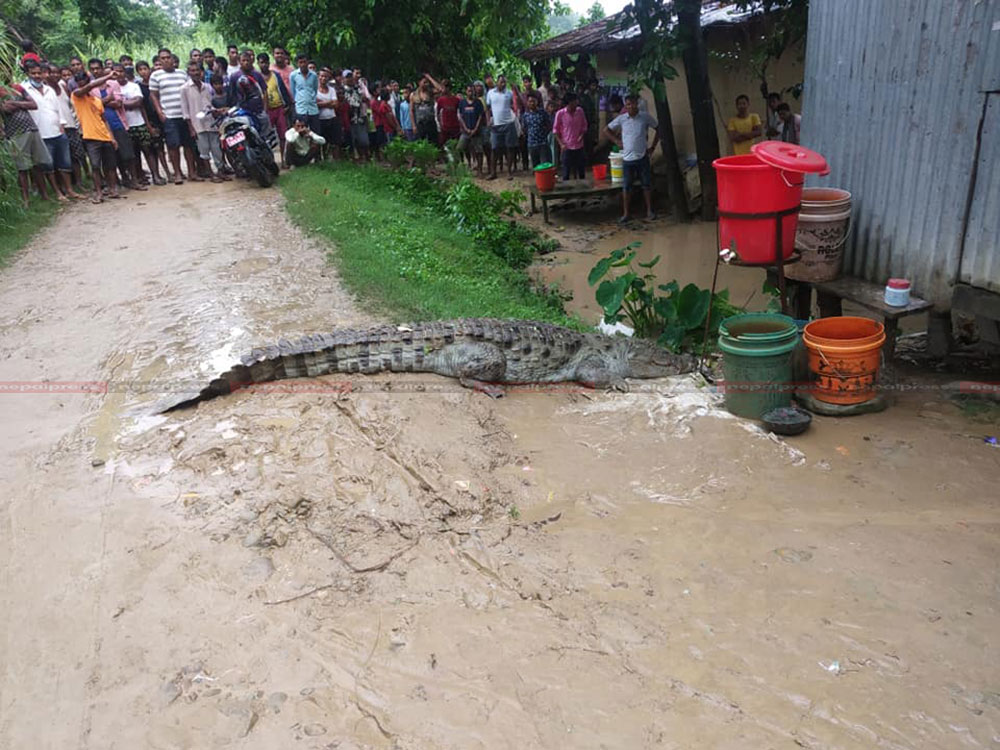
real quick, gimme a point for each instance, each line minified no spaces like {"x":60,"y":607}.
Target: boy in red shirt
{"x":446,"y":111}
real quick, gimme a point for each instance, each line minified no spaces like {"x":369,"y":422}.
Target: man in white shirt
{"x":137,"y":122}
{"x":49,"y":119}
{"x":503,"y":131}
{"x":77,"y":151}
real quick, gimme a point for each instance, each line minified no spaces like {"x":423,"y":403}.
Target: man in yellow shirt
{"x":743,"y":128}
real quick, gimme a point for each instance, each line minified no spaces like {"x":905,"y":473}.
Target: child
{"x":220,"y":100}
{"x":550,"y":109}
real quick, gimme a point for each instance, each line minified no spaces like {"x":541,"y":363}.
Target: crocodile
{"x":483,"y":353}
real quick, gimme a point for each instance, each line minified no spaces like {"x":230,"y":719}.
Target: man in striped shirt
{"x":165,"y":91}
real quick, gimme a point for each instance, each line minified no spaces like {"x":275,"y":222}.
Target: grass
{"x":17,"y":227}
{"x":399,"y":253}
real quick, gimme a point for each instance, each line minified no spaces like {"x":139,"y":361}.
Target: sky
{"x":610,"y":6}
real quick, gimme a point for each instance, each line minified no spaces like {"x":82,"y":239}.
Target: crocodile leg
{"x":479,"y":365}
{"x":594,"y":372}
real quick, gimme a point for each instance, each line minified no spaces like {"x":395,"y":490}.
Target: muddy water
{"x":408,"y":564}
{"x":687,"y":254}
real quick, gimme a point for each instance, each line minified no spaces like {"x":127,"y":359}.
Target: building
{"x":905,"y":105}
{"x":729,"y":35}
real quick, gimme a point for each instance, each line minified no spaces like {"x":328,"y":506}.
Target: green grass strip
{"x":401,"y":255}
{"x":18,"y":227}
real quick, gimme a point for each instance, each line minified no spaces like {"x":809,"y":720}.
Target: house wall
{"x":729,"y":77}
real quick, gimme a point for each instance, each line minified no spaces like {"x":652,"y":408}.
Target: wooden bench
{"x":830,"y":294}
{"x":571,"y":189}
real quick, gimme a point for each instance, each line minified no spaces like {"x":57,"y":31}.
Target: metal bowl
{"x":787,"y":420}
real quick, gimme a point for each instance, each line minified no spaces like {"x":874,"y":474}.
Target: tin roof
{"x":607,"y":33}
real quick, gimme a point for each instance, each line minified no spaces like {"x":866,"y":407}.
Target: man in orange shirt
{"x":96,"y":135}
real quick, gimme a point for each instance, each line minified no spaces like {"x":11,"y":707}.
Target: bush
{"x":489,"y":219}
{"x":675,"y":318}
{"x":419,"y":154}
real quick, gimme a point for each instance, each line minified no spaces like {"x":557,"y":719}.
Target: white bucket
{"x":617,"y":167}
{"x":824,"y":222}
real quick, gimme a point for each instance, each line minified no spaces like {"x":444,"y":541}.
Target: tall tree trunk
{"x":668,"y":146}
{"x":706,"y":138}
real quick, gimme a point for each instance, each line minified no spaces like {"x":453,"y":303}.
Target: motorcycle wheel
{"x":262,"y":175}
{"x":239,"y":162}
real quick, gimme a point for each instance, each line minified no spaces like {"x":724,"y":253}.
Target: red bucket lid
{"x":790,"y":157}
{"x":898,"y":284}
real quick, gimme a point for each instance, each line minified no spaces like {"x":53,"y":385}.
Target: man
{"x":153,"y":123}
{"x":96,"y":135}
{"x":125,"y":60}
{"x":26,"y":145}
{"x":570,"y":126}
{"x":446,"y":114}
{"x":628,"y":130}
{"x":588,"y":103}
{"x":357,"y":98}
{"x":471,"y":117}
{"x":276,"y":100}
{"x":303,"y":144}
{"x":75,"y":66}
{"x":51,"y":122}
{"x":537,"y":126}
{"x":282,"y":66}
{"x":233,"y":52}
{"x":246,"y":90}
{"x":208,"y":62}
{"x":196,"y":98}
{"x":195,"y":56}
{"x":791,"y":124}
{"x":165,"y":89}
{"x":304,"y":83}
{"x":138,"y":129}
{"x":114,"y":114}
{"x":744,"y":128}
{"x":77,"y":152}
{"x":503,"y":131}
{"x":545,"y":86}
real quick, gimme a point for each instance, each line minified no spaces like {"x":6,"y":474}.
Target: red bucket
{"x":600,"y":172}
{"x":545,"y":179}
{"x":767,"y":181}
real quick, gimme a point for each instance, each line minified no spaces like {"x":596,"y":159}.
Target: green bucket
{"x":757,"y":362}
{"x":543,"y":166}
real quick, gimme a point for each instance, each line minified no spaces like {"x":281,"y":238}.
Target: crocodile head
{"x":647,"y":360}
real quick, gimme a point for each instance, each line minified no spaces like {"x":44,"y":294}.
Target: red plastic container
{"x":600,"y":172}
{"x":768,"y":180}
{"x":545,"y":179}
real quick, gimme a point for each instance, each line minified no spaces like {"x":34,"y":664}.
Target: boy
{"x":471,"y":117}
{"x":744,"y":128}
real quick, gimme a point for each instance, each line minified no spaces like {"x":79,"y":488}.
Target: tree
{"x":699,"y":88}
{"x":389,"y":37}
{"x":651,"y":64}
{"x":594,"y":13}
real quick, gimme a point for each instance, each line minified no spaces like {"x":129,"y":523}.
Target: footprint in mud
{"x":793,"y":555}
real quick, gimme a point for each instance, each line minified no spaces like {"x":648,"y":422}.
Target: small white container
{"x":897,"y":293}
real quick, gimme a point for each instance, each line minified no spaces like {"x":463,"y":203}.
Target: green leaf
{"x":664,"y":308}
{"x":671,"y":289}
{"x":618,"y":254}
{"x":624,"y":261}
{"x":610,"y":295}
{"x":598,"y":271}
{"x":672,"y":337}
{"x":651,"y":263}
{"x":692,"y":306}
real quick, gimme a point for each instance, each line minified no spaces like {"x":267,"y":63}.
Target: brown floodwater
{"x":687,"y":255}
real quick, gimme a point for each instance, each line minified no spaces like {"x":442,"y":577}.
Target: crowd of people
{"x":101,"y":118}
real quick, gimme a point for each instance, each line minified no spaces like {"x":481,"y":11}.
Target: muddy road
{"x":394,"y":562}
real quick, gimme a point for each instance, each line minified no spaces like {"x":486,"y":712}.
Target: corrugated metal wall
{"x":894,"y":92}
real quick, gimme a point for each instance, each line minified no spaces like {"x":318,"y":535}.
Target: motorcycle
{"x":250,"y":154}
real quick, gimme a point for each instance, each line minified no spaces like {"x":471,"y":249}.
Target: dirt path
{"x":408,"y":565}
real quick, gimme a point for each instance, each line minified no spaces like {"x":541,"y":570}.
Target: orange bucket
{"x":600,"y":172}
{"x":844,"y":355}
